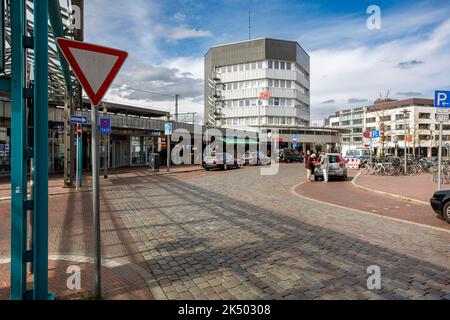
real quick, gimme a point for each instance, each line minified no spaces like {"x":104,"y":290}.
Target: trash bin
{"x":154,"y":162}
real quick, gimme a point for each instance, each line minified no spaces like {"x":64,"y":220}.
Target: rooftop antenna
{"x":249,"y":25}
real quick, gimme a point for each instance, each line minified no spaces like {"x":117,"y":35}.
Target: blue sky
{"x":350,"y":64}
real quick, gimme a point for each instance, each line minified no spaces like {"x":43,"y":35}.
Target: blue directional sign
{"x":168,"y":128}
{"x":78,"y":119}
{"x":294,"y":137}
{"x":442,"y":99}
{"x":375,"y":133}
{"x":105,"y":126}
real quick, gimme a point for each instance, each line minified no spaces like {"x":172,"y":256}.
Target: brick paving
{"x":347,"y":195}
{"x":240,"y":235}
{"x":420,"y":187}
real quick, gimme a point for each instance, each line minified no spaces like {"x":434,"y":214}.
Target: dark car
{"x":441,"y":204}
{"x":291,"y":155}
{"x":222,"y":161}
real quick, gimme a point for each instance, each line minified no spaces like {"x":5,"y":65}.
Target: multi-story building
{"x":395,"y":120}
{"x":236,"y":74}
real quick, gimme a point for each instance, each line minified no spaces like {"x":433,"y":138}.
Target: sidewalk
{"x":55,"y":182}
{"x":125,"y":274}
{"x":418,"y":187}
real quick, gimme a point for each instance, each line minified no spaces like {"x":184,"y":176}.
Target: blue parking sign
{"x":442,"y":99}
{"x":168,"y":128}
{"x":375,"y":133}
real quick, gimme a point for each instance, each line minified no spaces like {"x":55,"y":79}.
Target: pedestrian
{"x":323,"y":165}
{"x":308,"y":168}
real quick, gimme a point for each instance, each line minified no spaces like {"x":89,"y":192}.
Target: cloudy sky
{"x":350,"y":64}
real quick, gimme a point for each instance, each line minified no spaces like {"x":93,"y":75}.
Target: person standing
{"x":308,"y":166}
{"x":324,"y":163}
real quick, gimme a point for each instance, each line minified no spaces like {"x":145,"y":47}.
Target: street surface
{"x":240,"y":235}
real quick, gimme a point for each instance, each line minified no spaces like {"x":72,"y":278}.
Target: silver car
{"x":336,"y":168}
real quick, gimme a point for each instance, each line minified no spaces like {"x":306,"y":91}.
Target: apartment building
{"x":395,"y":120}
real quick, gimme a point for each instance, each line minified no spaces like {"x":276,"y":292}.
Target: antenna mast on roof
{"x":249,"y":25}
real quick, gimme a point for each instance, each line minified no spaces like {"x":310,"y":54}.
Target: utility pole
{"x":168,"y":146}
{"x":177,"y":96}
{"x":106,"y":146}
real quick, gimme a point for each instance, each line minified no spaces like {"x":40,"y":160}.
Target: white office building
{"x":419,"y":126}
{"x":236,"y":74}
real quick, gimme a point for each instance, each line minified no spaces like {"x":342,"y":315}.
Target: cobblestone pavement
{"x":242,"y":235}
{"x":347,"y":195}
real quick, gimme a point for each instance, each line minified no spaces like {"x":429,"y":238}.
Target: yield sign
{"x":95,"y":66}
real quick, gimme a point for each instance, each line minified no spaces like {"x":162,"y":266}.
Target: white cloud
{"x":181,"y":33}
{"x":367,"y":71}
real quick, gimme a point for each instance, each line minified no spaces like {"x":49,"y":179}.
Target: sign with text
{"x":168,"y":128}
{"x":78,"y":119}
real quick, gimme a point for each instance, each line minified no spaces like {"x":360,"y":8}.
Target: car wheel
{"x":446,"y":212}
{"x":316,"y":178}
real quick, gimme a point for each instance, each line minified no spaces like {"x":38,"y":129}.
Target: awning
{"x":229,"y":140}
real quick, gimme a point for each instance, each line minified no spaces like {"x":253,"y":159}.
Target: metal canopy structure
{"x":60,"y":76}
{"x":33,"y":75}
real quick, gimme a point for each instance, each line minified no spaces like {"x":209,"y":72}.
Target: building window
{"x":270,"y":64}
{"x":424,"y":126}
{"x":229,"y":69}
{"x":247,"y":66}
{"x":288,"y":84}
{"x":253,"y":65}
{"x":288,"y":66}
{"x":357,"y":130}
{"x":386,"y":118}
{"x":235,"y":68}
{"x":371,"y":120}
{"x":399,"y":127}
{"x":359,"y":121}
{"x":424,"y":115}
{"x":276,"y":65}
{"x":260,"y":66}
{"x":282,"y":65}
{"x":241,"y":67}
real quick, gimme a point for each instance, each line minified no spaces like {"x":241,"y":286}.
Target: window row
{"x":283,"y":102}
{"x":242,"y":121}
{"x":282,"y":65}
{"x":255,"y":84}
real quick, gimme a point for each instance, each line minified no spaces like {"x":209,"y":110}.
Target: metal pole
{"x":404,"y":139}
{"x":96,"y":201}
{"x":106,"y":148}
{"x":168,"y":152}
{"x":78,"y":163}
{"x":176,"y":107}
{"x":440,"y":157}
{"x":40,"y":234}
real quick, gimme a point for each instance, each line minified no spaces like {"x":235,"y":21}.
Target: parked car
{"x":291,"y":155}
{"x":222,"y":161}
{"x":440,"y":202}
{"x":336,"y":168}
{"x":255,"y":158}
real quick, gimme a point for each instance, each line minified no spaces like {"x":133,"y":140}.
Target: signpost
{"x":79,"y":137}
{"x":96,"y":68}
{"x":442,"y":105}
{"x":168,"y":130}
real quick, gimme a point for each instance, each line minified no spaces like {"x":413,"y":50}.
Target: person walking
{"x":323,"y":165}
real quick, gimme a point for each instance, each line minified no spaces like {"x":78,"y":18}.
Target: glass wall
{"x":138,"y":150}
{"x":5,"y":151}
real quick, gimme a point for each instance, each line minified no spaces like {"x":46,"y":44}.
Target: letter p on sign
{"x":442,"y":99}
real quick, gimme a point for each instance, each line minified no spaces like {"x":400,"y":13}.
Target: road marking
{"x":365,"y":212}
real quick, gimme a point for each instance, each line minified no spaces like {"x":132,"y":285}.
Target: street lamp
{"x":405,"y":112}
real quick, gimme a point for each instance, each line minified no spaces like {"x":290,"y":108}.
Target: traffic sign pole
{"x":96,"y":201}
{"x":440,"y":157}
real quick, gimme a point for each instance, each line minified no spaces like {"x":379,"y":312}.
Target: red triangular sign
{"x":95,"y":66}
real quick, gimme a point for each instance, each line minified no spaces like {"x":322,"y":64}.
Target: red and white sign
{"x":366,"y":134}
{"x":79,"y":131}
{"x":264,"y":95}
{"x":408,"y":138}
{"x":95,"y":66}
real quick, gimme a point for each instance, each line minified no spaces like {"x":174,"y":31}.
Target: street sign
{"x":375,"y":133}
{"x":78,"y":119}
{"x":105,"y":126}
{"x":394,"y":139}
{"x":366,"y":134}
{"x":442,"y":99}
{"x":168,"y":128}
{"x":294,"y":137}
{"x":265,"y":95}
{"x":408,"y":138}
{"x":95,"y":66}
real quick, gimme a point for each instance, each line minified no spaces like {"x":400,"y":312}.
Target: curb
{"x":366,"y":212}
{"x":397,"y":196}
